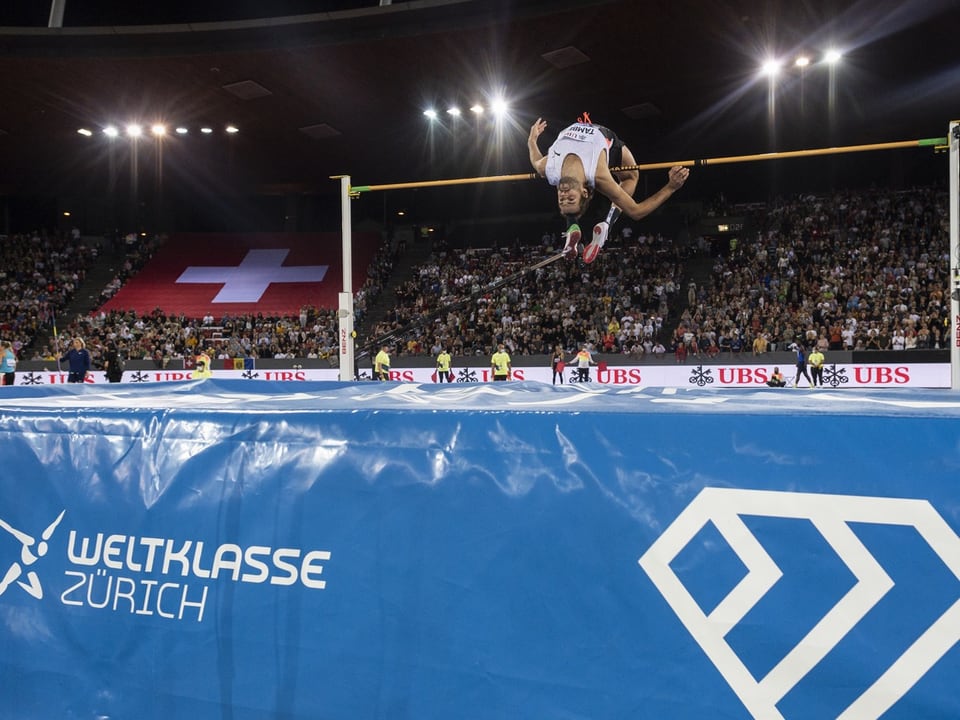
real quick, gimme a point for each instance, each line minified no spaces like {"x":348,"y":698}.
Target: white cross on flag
{"x":243,"y":274}
{"x":248,"y":281}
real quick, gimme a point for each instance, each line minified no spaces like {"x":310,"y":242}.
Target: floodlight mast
{"x":56,"y":13}
{"x":953,"y":138}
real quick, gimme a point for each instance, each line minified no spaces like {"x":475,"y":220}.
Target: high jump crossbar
{"x":950,"y":144}
{"x":940,"y":142}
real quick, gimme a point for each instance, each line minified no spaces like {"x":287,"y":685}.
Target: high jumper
{"x":579,"y":162}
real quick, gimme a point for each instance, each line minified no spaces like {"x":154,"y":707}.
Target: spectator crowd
{"x":862,"y":270}
{"x":853,"y":271}
{"x":39,"y":273}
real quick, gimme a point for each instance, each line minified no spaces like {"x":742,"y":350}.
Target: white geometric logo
{"x":28,"y":556}
{"x":830,"y":515}
{"x":248,"y":281}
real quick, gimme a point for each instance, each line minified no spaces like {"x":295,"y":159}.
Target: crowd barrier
{"x":914,"y":369}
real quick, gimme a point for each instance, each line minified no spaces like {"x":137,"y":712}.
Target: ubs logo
{"x":30,"y":552}
{"x":831,"y":516}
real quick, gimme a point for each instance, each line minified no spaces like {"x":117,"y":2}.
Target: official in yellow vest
{"x":500,"y":364}
{"x":202,"y":369}
{"x":443,"y":366}
{"x":816,"y":360}
{"x":381,"y":364}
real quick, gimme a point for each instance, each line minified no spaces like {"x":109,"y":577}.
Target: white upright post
{"x":56,"y":13}
{"x":346,"y":297}
{"x":953,"y":141}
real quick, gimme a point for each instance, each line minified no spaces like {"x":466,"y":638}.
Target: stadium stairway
{"x":415,"y":254}
{"x":700,"y":271}
{"x":86,"y":298}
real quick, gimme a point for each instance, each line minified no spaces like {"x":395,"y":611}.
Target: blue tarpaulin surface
{"x":245,"y":549}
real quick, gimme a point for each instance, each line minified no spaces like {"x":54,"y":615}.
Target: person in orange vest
{"x":776,"y":380}
{"x":584,"y":360}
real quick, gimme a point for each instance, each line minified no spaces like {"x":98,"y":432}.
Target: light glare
{"x":134,"y":131}
{"x":430,"y":113}
{"x":84,"y":132}
{"x":832,"y":56}
{"x":111,"y":131}
{"x":770,"y":68}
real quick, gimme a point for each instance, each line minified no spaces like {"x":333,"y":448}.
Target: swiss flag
{"x":269,"y":273}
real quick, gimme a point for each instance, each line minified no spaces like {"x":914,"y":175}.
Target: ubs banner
{"x":243,"y":549}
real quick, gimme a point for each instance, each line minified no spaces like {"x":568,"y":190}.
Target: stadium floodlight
{"x":802,"y":61}
{"x":499,"y":107}
{"x":453,"y":110}
{"x":159,"y":130}
{"x":134,"y":130}
{"x":833,"y":56}
{"x":85,"y":132}
{"x":111,"y":131}
{"x":430,"y":113}
{"x":476,"y":109}
{"x":206,"y":130}
{"x":181,"y":130}
{"x":770,"y":68}
{"x":232,"y":129}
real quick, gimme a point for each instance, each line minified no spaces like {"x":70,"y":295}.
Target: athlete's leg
{"x":600,"y":232}
{"x":572,"y":247}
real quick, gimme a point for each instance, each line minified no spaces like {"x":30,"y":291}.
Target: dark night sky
{"x":694,"y":62}
{"x":78,"y":13}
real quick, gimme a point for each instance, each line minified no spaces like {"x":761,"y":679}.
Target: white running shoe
{"x":572,"y":248}
{"x":591,"y":251}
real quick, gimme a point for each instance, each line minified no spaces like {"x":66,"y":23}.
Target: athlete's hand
{"x":536,"y":130}
{"x":677,"y":177}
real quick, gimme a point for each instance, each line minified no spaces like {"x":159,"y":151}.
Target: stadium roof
{"x":343,"y":90}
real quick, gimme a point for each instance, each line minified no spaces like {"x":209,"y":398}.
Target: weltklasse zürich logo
{"x":151,"y":576}
{"x":20,"y":571}
{"x":856,"y":629}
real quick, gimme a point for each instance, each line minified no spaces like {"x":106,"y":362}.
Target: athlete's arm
{"x":628,"y":178}
{"x":607,"y":185}
{"x":537,"y":159}
{"x":628,"y":182}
